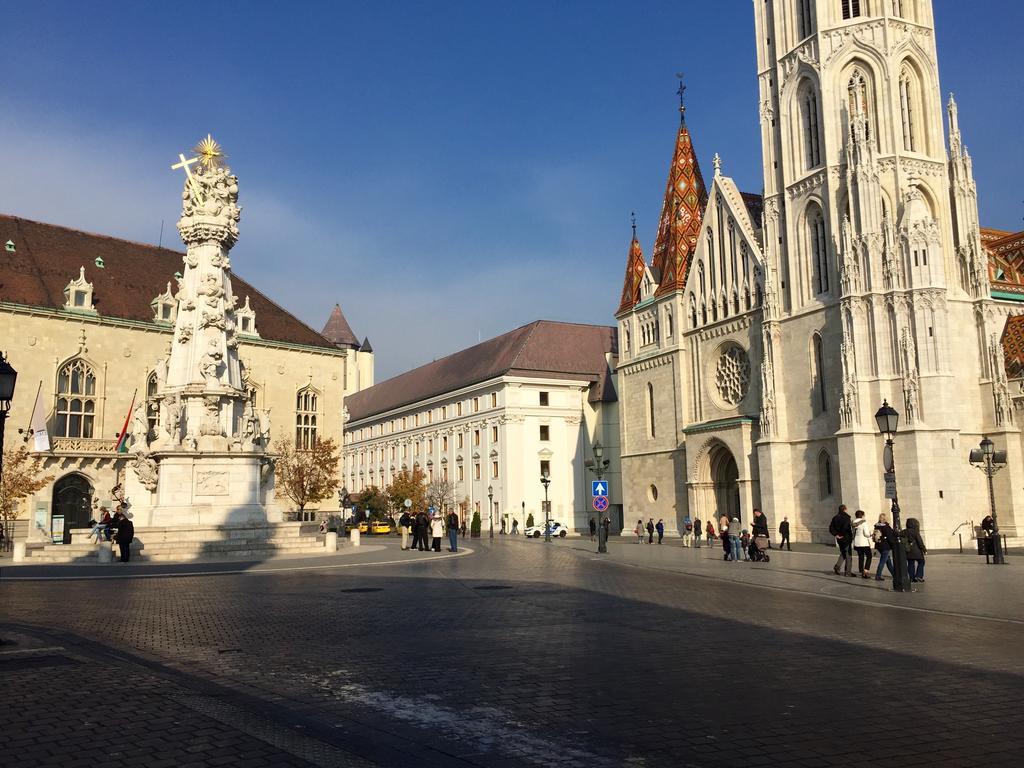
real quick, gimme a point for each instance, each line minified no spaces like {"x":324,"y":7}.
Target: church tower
{"x":876,"y":259}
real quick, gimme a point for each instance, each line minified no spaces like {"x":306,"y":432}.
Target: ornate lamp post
{"x":8,"y":378}
{"x":545,"y":480}
{"x":888,"y":420}
{"x":986,"y":458}
{"x":599,"y":465}
{"x":490,"y":510}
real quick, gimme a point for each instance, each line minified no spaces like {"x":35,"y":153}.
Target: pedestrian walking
{"x":885,"y":539}
{"x":723,"y":531}
{"x":745,"y":544}
{"x":915,"y":549}
{"x":639,"y":531}
{"x":436,"y":532}
{"x":124,"y":535}
{"x":660,"y":528}
{"x":650,"y":530}
{"x":735,"y":538}
{"x":593,"y":529}
{"x":841,"y":528}
{"x":515,"y":527}
{"x":687,"y":531}
{"x":422,"y":531}
{"x":453,"y":532}
{"x":784,"y":534}
{"x":711,"y":533}
{"x":698,"y":532}
{"x":758,"y":527}
{"x":404,"y":523}
{"x":862,"y":543}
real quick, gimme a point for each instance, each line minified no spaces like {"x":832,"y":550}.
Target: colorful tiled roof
{"x":1013,"y":346}
{"x":681,"y":214}
{"x":635,"y":267}
{"x":544,"y":348}
{"x":46,"y":257}
{"x":1005,"y":262}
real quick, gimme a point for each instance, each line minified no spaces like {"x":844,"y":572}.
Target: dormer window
{"x":164,"y":306}
{"x":9,"y":246}
{"x":246,"y":319}
{"x":78,"y":294}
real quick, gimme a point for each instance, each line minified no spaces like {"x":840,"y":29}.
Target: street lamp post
{"x":490,"y":510}
{"x":887,"y":420}
{"x":545,"y":480}
{"x":8,"y":378}
{"x":599,"y":465}
{"x":986,"y":458}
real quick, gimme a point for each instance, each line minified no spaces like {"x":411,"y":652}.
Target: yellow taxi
{"x":380,"y":526}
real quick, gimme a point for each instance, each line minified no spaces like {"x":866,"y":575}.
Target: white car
{"x":557,"y":529}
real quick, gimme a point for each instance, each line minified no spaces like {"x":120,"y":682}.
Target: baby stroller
{"x":759,"y":550}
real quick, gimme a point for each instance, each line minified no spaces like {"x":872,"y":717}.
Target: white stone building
{"x":497,"y":415}
{"x":758,"y":344}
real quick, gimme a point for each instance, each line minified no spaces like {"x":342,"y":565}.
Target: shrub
{"x":474,"y":526}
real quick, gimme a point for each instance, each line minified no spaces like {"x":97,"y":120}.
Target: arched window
{"x":858,"y":100}
{"x":818,"y":250}
{"x":650,"y":410}
{"x":732,"y":250}
{"x":668,"y":324}
{"x":693,"y":311}
{"x":818,"y":373}
{"x":152,"y":406}
{"x":810,"y":125}
{"x":721,"y":244}
{"x":76,"y":399}
{"x":711,"y":261}
{"x":824,"y":475}
{"x":305,"y":419}
{"x":908,"y":105}
{"x":851,"y":8}
{"x":805,"y":17}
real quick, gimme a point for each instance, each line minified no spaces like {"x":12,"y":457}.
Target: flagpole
{"x":28,"y":431}
{"x":124,"y":429}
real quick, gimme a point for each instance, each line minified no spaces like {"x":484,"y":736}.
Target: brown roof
{"x":543,"y":348}
{"x":339,"y":331}
{"x":47,"y":257}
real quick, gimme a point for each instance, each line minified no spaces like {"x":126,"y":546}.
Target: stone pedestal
{"x":19,"y":551}
{"x":331,"y":544}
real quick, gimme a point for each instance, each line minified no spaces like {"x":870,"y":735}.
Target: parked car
{"x":557,"y":529}
{"x":380,"y":526}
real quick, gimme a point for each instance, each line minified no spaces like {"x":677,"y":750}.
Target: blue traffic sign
{"x":599,"y":488}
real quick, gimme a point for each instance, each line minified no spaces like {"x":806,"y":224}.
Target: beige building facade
{"x":86,"y":319}
{"x":767,"y":330}
{"x":492,"y":419}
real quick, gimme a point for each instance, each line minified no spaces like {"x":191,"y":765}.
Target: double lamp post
{"x":8,"y":378}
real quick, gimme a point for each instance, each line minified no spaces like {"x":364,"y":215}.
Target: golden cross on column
{"x":184,"y":163}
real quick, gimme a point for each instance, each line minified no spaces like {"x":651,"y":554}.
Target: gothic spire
{"x":635,"y":267}
{"x":681,"y":215}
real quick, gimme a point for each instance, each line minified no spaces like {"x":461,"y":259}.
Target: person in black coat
{"x":784,"y":534}
{"x":915,"y":549}
{"x":885,"y":542}
{"x":842,"y":529}
{"x":758,"y":527}
{"x":423,"y":531}
{"x":697,"y":533}
{"x":124,"y":534}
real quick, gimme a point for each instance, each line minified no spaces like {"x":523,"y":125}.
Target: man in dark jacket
{"x":842,"y":529}
{"x":784,"y":534}
{"x":124,"y":534}
{"x":758,"y":527}
{"x":453,"y":532}
{"x":650,"y":531}
{"x":423,"y":531}
{"x":593,"y":529}
{"x":404,"y":522}
{"x":698,"y":532}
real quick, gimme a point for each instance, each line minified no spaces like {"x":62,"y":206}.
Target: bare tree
{"x":441,"y":495}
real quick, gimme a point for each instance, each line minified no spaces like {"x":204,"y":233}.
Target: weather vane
{"x":681,"y":92}
{"x":632,"y":216}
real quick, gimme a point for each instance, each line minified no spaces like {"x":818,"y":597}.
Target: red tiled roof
{"x":47,"y":257}
{"x":543,"y":348}
{"x":681,"y":214}
{"x":635,"y":267}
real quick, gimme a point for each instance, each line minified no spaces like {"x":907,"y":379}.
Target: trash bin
{"x":986,"y":546}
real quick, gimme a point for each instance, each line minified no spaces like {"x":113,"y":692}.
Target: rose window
{"x":732,"y":374}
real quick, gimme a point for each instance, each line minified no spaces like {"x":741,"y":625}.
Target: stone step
{"x":179,"y":550}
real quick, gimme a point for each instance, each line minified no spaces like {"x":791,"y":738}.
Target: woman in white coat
{"x":862,"y":543}
{"x":437,"y":532}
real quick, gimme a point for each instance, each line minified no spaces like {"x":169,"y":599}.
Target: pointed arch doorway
{"x":72,"y":498}
{"x":717,"y":488}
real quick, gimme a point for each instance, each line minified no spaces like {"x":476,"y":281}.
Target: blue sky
{"x":445,"y":171}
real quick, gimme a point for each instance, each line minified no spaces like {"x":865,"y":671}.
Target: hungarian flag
{"x":122,"y":438}
{"x":40,"y":435}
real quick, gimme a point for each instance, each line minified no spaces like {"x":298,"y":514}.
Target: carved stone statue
{"x":146,"y":470}
{"x":210,"y":362}
{"x":140,"y":429}
{"x":210,"y":424}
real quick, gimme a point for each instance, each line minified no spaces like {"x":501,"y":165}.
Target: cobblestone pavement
{"x":521,"y":653}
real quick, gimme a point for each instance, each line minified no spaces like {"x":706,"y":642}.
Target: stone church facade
{"x":765,"y":332}
{"x":85,"y":319}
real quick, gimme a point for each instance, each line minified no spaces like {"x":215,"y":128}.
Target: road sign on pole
{"x":599,"y":488}
{"x":600,"y":503}
{"x":890,"y":485}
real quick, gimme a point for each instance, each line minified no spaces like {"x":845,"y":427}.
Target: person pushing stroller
{"x":758,"y":549}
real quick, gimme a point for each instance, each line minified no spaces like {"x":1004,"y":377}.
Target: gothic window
{"x":908,"y":105}
{"x":732,"y":374}
{"x":858,"y":100}
{"x":818,"y":373}
{"x":805,"y":17}
{"x":824,"y":475}
{"x":650,"y":410}
{"x":711,"y":262}
{"x":810,"y":125}
{"x":668,"y":324}
{"x":732,"y":249}
{"x":76,"y":399}
{"x":852,"y":8}
{"x":721,"y":244}
{"x":305,"y":419}
{"x":818,"y":250}
{"x":152,"y":406}
{"x":693,"y":311}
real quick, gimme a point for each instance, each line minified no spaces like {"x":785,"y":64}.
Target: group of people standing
{"x":646,"y":532}
{"x":117,"y":527}
{"x":857,"y":535}
{"x":427,"y":531}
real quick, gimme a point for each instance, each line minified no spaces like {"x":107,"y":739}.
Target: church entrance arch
{"x":72,"y":498}
{"x":717,"y":487}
